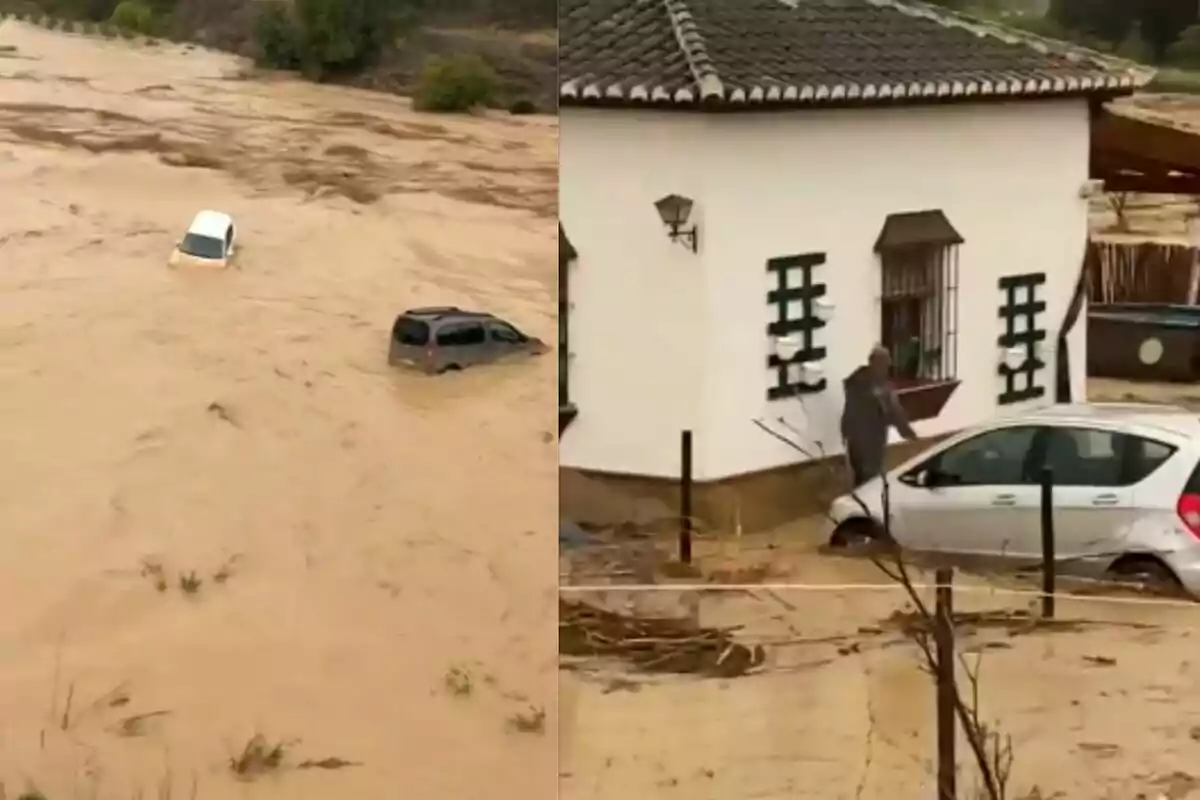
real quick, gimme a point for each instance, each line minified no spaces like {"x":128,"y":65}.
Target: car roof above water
{"x":210,"y":223}
{"x":437,"y":312}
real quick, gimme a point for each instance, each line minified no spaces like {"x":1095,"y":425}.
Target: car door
{"x":505,"y":339}
{"x":474,"y":344}
{"x":977,"y":498}
{"x":1094,"y":473}
{"x":452,"y":350}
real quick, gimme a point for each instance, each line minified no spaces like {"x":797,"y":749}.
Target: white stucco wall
{"x":664,"y":339}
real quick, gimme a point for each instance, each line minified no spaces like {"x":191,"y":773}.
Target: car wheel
{"x":450,"y":368}
{"x":1148,"y":571}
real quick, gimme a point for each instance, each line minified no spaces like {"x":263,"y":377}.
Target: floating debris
{"x":653,"y":644}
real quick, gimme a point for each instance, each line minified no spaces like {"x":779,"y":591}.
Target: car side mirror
{"x":929,"y":478}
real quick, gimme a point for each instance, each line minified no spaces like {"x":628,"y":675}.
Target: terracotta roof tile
{"x":801,"y":52}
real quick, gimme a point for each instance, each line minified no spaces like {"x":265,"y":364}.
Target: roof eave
{"x":720,"y":105}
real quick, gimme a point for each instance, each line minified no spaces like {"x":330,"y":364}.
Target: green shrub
{"x":522,"y":106}
{"x":329,"y":37}
{"x":1175,"y":81}
{"x":1134,"y":48}
{"x":276,"y":38}
{"x":1185,"y":52}
{"x":455,"y":84}
{"x":107,"y":30}
{"x":131,"y":18}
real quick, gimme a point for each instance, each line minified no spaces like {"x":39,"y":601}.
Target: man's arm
{"x":897,"y":417}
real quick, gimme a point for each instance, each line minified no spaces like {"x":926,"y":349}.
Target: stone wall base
{"x":755,"y":502}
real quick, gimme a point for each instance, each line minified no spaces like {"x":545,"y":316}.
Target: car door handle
{"x":1004,"y":500}
{"x":1105,"y":500}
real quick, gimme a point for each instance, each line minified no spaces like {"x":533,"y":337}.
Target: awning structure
{"x":1132,"y":154}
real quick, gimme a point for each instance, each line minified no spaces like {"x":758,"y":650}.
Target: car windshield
{"x":202,"y":246}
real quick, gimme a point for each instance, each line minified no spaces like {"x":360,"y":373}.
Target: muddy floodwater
{"x":222,"y":516}
{"x":805,"y":681}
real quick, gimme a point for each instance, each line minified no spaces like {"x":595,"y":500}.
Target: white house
{"x":754,"y":192}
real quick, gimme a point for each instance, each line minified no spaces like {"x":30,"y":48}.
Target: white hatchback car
{"x":210,"y":241}
{"x":1126,"y":493}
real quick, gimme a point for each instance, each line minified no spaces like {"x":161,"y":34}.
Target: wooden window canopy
{"x":925,"y":400}
{"x":917,"y":228}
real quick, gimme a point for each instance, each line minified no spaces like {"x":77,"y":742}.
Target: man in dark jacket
{"x":871,"y":408}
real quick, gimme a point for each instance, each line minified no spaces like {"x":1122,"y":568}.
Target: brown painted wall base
{"x":758,"y":501}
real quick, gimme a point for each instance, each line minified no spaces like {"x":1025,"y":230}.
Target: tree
{"x":1107,"y":20}
{"x":1185,"y":51}
{"x":130,"y":16}
{"x":455,"y":84}
{"x":275,"y":35}
{"x":330,"y":37}
{"x":1163,"y":21}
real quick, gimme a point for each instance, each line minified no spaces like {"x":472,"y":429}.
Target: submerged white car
{"x":210,"y":241}
{"x":1126,"y":494}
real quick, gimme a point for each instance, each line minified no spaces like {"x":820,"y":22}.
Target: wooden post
{"x":1048,"y":562}
{"x":947,"y":693}
{"x":685,"y":498}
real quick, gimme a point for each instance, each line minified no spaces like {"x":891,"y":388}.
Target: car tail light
{"x":1188,"y":509}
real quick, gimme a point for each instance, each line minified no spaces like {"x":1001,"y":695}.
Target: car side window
{"x":1002,"y":457}
{"x":505,"y":333}
{"x":1144,"y":457}
{"x":1091,"y":457}
{"x":461,"y":334}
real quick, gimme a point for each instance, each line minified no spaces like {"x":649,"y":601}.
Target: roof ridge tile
{"x":691,"y":43}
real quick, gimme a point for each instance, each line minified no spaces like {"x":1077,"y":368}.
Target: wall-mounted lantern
{"x":674,"y":211}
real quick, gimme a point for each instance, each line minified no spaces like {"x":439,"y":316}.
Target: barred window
{"x":918,"y":255}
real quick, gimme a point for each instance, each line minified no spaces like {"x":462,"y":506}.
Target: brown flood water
{"x":357,"y":534}
{"x":1105,"y":705}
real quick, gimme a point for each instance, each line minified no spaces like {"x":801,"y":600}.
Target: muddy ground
{"x":1104,"y":704}
{"x":235,"y":552}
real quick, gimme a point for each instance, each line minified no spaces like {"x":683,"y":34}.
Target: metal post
{"x":1048,"y":563}
{"x":947,"y":694}
{"x":685,"y":498}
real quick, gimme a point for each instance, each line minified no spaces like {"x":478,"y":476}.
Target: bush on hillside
{"x":455,"y":84}
{"x":1134,"y":48}
{"x":330,"y":37}
{"x":275,"y":37}
{"x":132,"y":17}
{"x":522,"y":106}
{"x":1185,"y":52}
